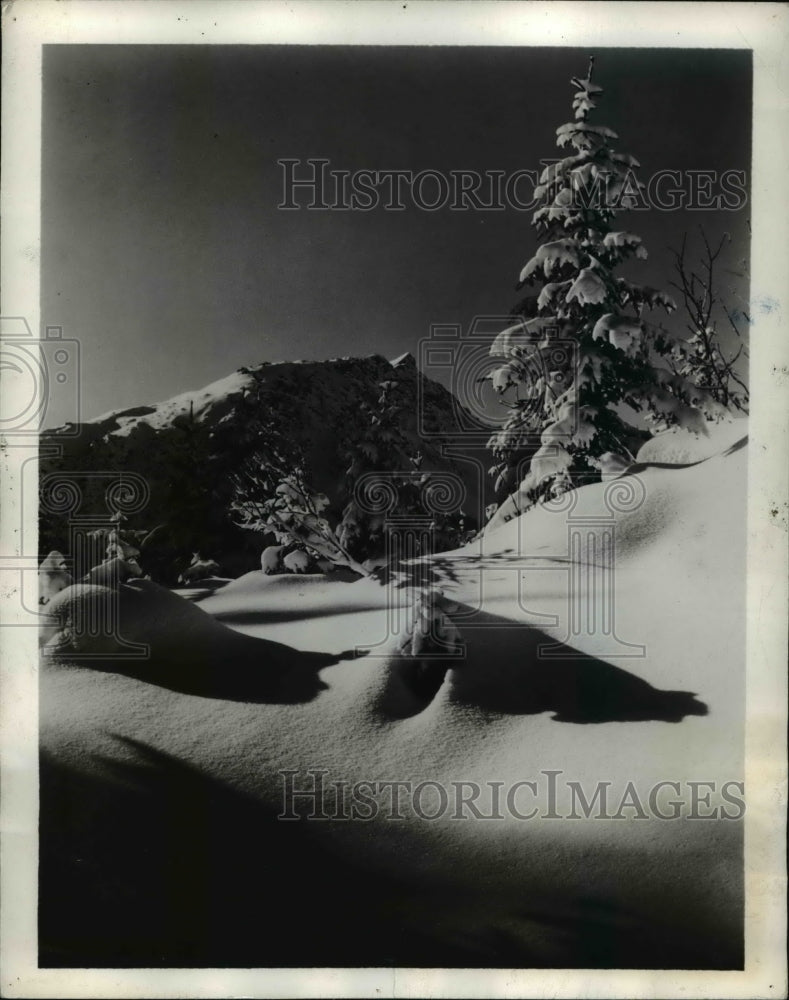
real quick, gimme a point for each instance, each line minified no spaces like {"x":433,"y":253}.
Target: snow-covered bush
{"x":199,"y":569}
{"x":271,"y":559}
{"x":270,"y":498}
{"x":113,"y":572}
{"x":53,"y":576}
{"x":275,"y":494}
{"x":296,"y":561}
{"x":428,"y":630}
{"x":702,"y":357}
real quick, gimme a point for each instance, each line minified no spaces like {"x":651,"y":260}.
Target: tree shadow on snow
{"x":437,"y":570}
{"x":503,"y":672}
{"x":276,"y":615}
{"x":200,"y":589}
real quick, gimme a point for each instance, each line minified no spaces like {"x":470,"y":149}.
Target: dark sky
{"x":165,"y":254}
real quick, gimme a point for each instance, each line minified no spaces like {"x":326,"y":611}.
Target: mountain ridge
{"x":147,"y":409}
{"x":190,"y":447}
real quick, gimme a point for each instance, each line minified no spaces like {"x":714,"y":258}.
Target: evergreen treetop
{"x":583,"y":345}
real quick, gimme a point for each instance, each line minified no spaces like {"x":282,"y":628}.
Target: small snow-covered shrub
{"x":199,"y":569}
{"x":271,"y":559}
{"x":296,"y":562}
{"x":53,"y":576}
{"x":113,"y":572}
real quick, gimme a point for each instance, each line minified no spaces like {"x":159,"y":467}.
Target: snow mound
{"x":652,"y":693}
{"x":677,"y":446}
{"x":146,"y":631}
{"x":657,"y":504}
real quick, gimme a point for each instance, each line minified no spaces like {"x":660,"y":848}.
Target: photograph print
{"x":392,"y":505}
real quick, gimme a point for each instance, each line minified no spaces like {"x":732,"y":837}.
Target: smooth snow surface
{"x":682,"y":447}
{"x":676,"y":446}
{"x":263,"y":676}
{"x":401,"y":359}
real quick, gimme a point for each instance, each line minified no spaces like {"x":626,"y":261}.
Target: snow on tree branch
{"x":565,"y":406}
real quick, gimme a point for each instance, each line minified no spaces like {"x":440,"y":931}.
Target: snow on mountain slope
{"x":213,"y":401}
{"x":201,"y":403}
{"x":650,"y":696}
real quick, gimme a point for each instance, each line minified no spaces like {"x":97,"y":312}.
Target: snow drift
{"x":615,"y":660}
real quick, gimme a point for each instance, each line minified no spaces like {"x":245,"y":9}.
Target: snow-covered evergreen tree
{"x":582,"y":345}
{"x":378,"y":444}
